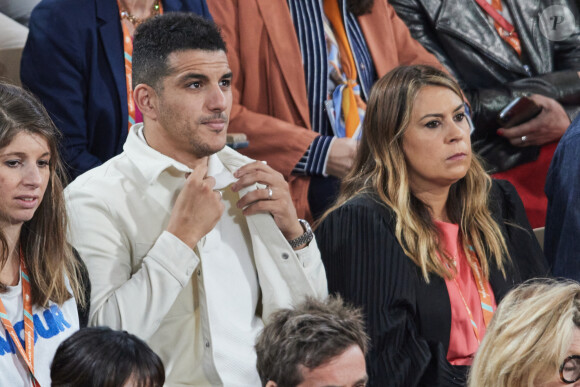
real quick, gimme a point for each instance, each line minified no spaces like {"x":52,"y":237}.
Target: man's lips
{"x":215,"y":124}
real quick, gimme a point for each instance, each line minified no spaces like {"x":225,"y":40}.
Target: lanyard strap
{"x":27,"y":353}
{"x":128,"y":55}
{"x":484,"y":296}
{"x":504,"y":28}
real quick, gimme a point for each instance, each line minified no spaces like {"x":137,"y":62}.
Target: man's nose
{"x":217,"y":100}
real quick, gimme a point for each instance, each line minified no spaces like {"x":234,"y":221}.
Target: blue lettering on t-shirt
{"x":55,"y":323}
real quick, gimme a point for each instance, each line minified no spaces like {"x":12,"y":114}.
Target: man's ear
{"x":271,"y":384}
{"x":146,"y":100}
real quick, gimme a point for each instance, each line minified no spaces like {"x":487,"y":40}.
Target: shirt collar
{"x":152,"y":163}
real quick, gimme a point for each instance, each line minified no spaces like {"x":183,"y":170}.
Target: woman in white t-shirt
{"x":40,"y":280}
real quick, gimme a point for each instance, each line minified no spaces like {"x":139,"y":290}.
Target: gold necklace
{"x":135,"y":20}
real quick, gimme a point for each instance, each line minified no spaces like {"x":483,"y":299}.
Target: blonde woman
{"x":40,"y":278}
{"x":533,"y":339}
{"x":421,"y":237}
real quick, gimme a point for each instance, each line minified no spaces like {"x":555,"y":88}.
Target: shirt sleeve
{"x":314,"y":160}
{"x":123,"y":297}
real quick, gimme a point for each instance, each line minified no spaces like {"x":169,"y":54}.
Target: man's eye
{"x":226,"y":82}
{"x":195,"y":85}
{"x":12,"y":163}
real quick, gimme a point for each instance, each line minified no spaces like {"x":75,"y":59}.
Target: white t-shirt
{"x":51,"y":326}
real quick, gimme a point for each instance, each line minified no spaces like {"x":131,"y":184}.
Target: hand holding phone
{"x":518,"y":111}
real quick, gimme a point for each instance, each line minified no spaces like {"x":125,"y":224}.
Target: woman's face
{"x":571,"y":368}
{"x":436,"y":143}
{"x":24,"y":175}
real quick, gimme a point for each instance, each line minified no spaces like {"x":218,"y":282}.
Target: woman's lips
{"x":27,"y":202}
{"x":457,"y":156}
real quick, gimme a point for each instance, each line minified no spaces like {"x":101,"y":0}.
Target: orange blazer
{"x":270,"y":101}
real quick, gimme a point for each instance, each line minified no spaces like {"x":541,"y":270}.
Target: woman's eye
{"x":432,"y":124}
{"x":459,"y":117}
{"x":43,"y":163}
{"x":12,"y":163}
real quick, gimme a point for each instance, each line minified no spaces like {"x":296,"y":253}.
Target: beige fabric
{"x":146,"y":281}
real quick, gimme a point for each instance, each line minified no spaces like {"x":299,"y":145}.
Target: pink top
{"x":462,"y":340}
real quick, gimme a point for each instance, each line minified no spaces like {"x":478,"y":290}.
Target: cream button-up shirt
{"x":147,"y":282}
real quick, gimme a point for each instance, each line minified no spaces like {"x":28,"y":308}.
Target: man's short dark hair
{"x":309,"y":335}
{"x":102,"y":357}
{"x":162,"y":35}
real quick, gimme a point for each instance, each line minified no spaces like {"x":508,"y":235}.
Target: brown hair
{"x":309,"y":335}
{"x":47,"y":255}
{"x":380,"y":167}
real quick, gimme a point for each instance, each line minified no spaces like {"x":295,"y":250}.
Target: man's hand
{"x":546,"y":127}
{"x":278,"y":203}
{"x":341,"y":156}
{"x":197,"y":208}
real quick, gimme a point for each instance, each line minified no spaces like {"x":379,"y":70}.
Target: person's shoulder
{"x":109,"y":177}
{"x":69,"y":17}
{"x":365,"y":205}
{"x":500,"y":189}
{"x":65,"y":7}
{"x":369,"y":200}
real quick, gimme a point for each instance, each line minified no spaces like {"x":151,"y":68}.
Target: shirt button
{"x":199,"y":273}
{"x":207,"y":344}
{"x":285,"y":256}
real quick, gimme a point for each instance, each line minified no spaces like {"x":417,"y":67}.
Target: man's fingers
{"x":517,"y":131}
{"x":201,"y":170}
{"x":254,"y":167}
{"x":256,"y":195}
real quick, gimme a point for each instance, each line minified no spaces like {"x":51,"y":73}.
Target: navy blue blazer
{"x":73,"y":61}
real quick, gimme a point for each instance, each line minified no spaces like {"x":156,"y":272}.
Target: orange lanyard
{"x":128,"y":55}
{"x":28,"y":353}
{"x":483,"y":289}
{"x":504,"y":28}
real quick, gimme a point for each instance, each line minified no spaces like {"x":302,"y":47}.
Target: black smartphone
{"x":517,"y":112}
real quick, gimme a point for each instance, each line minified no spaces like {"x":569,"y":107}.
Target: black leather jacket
{"x":491,"y":74}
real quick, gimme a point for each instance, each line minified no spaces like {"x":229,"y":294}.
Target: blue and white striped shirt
{"x":308,"y":18}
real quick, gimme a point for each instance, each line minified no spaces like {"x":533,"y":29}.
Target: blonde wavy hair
{"x":529,"y":335}
{"x":48,"y":256}
{"x":380,"y":167}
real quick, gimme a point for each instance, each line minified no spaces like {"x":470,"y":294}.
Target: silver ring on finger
{"x":269,"y":192}
{"x":524,"y":139}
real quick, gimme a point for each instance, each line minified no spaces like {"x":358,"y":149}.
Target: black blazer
{"x":408,"y":320}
